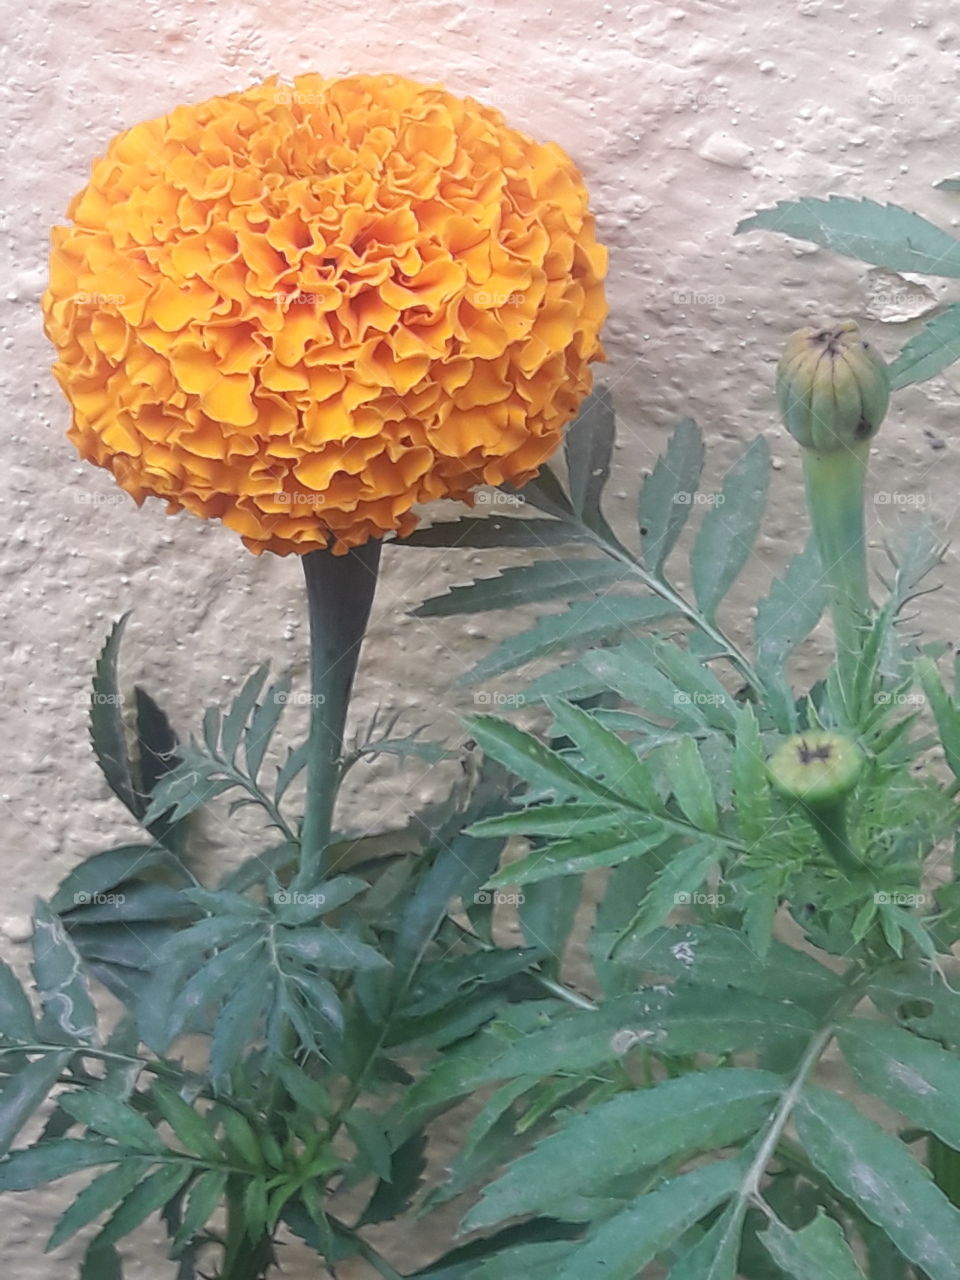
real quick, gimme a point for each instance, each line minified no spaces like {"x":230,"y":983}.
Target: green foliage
{"x":665,"y":1115}
{"x":884,"y":235}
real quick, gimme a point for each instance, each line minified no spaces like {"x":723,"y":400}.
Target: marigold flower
{"x":305,"y":309}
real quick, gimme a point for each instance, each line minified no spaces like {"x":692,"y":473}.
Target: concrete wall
{"x":684,"y":117}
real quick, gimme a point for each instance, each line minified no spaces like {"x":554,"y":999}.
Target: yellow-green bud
{"x":833,"y":387}
{"x":817,"y":768}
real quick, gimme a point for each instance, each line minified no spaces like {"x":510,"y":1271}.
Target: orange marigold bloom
{"x":305,"y":309}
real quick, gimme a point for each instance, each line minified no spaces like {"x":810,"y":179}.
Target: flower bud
{"x":833,"y":387}
{"x":816,"y":768}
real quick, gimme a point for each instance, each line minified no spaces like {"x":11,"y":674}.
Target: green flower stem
{"x":829,"y":820}
{"x":835,"y":489}
{"x":244,"y":1258}
{"x":340,"y":592}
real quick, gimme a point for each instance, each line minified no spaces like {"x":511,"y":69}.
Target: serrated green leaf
{"x":717,"y":956}
{"x":547,"y":579}
{"x":818,"y":1251}
{"x":106,"y":722}
{"x":912,"y":1075}
{"x":583,"y":623}
{"x":188,"y":1125}
{"x":785,"y":616}
{"x":945,"y":711}
{"x":883,"y":234}
{"x":493,"y":531}
{"x":666,"y":497}
{"x":295,"y":761}
{"x":689,"y":782}
{"x":102,"y":1194}
{"x":674,"y":887}
{"x":586,"y":853}
{"x":622,"y":1245}
{"x":263,"y":724}
{"x":111,"y":1118}
{"x":544,"y":491}
{"x":930,"y":351}
{"x":877,"y":1172}
{"x":236,"y":718}
{"x":16,"y":1016}
{"x":534,"y":763}
{"x":588,"y":448}
{"x":146,"y":1198}
{"x":68,"y":1012}
{"x":104,"y":871}
{"x":101,"y":1263}
{"x":236,"y":1026}
{"x":203,"y":1199}
{"x":715,"y":1256}
{"x":23,"y":1093}
{"x":751,"y":786}
{"x":47,"y":1161}
{"x":635,"y":1130}
{"x":569,"y":820}
{"x":606,"y":756}
{"x":629,"y":670}
{"x":329,"y":948}
{"x":729,"y":530}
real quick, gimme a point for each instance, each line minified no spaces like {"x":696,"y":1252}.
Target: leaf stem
{"x":340,"y":590}
{"x":666,"y":592}
{"x":750,"y":1187}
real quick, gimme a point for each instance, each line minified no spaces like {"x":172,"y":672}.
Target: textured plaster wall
{"x":683,"y":117}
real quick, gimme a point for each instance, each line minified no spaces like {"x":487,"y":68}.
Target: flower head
{"x":833,"y":388}
{"x":305,"y":309}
